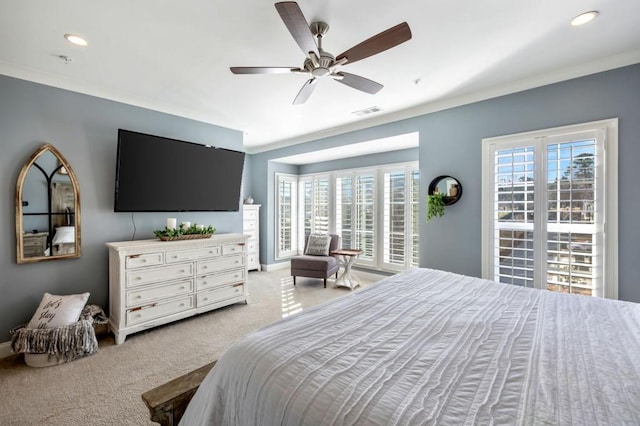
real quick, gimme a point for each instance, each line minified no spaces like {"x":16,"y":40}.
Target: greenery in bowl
{"x":435,"y":205}
{"x":180,"y":231}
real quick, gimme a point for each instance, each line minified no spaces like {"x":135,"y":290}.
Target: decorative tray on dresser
{"x":153,"y":282}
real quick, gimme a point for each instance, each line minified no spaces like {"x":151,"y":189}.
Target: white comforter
{"x":430,"y":347}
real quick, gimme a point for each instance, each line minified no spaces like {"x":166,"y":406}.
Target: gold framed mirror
{"x":47,"y":208}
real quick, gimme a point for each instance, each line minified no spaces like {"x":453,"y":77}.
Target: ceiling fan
{"x":320,"y":63}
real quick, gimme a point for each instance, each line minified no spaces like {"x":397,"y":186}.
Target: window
{"x":375,"y":210}
{"x":315,"y":206}
{"x":401,"y":195}
{"x":355,"y":213}
{"x":287,"y":220}
{"x":546,"y":199}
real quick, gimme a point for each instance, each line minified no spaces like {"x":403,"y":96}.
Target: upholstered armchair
{"x":317,"y":262}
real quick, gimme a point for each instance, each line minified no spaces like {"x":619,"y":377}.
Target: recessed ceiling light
{"x":76,"y":39}
{"x":584,"y":18}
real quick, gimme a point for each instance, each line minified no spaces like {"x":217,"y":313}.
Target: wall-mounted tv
{"x":157,"y":174}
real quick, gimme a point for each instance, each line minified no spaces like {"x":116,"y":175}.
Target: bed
{"x":432,"y":347}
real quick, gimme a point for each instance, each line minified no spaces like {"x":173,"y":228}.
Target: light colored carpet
{"x":106,"y":388}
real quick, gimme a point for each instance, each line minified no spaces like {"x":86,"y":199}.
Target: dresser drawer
{"x":163,"y":273}
{"x":219,"y":294}
{"x":209,"y":266}
{"x":181,"y":255}
{"x":249,"y":225}
{"x":141,"y":260}
{"x":232,"y":249}
{"x":250,"y":214}
{"x":252,"y":260}
{"x":159,"y":309}
{"x":210,"y":281}
{"x":251,"y":246}
{"x":146,"y":294}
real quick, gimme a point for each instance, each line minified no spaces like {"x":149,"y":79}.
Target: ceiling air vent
{"x":367,"y":111}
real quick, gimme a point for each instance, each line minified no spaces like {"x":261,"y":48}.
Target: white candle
{"x":172,"y":222}
{"x":185,"y":225}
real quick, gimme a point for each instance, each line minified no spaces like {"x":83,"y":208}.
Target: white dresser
{"x":153,"y":282}
{"x":251,"y":228}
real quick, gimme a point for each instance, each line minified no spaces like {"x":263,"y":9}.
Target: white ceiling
{"x":174,"y":56}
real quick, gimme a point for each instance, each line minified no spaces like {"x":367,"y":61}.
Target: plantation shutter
{"x":287,"y":220}
{"x":306,"y":209}
{"x":344,"y":210}
{"x":513,"y":216}
{"x":320,"y":206}
{"x":401,"y":196}
{"x":415,"y":214}
{"x":364,"y":216}
{"x":395,"y":190}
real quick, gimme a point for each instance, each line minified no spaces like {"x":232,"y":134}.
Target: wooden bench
{"x":168,"y":402}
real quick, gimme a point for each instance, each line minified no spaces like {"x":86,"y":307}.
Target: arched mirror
{"x":449,"y":186}
{"x":47,"y":208}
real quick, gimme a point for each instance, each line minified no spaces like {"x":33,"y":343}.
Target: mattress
{"x":429,"y":347}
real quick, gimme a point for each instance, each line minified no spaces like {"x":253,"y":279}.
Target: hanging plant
{"x":435,"y":205}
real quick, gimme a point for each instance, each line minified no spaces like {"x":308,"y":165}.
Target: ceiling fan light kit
{"x":320,"y":63}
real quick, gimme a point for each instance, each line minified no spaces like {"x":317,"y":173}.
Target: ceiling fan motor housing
{"x":325,"y":62}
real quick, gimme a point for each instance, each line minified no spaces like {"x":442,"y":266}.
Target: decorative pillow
{"x":64,"y":234}
{"x":318,"y":245}
{"x":55,"y":311}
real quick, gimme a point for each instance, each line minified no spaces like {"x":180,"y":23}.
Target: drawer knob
{"x":138,"y":278}
{"x":139,"y":296}
{"x":205,"y":267}
{"x":206,"y":298}
{"x":144,"y":260}
{"x":138,"y":315}
{"x":182,"y":304}
{"x":175,"y":257}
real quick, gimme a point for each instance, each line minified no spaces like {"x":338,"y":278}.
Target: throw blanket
{"x":430,"y":347}
{"x":67,"y":342}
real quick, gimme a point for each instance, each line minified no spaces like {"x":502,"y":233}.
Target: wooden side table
{"x":347,"y":257}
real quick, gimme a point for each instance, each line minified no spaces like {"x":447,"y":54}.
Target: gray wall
{"x":450,"y":143}
{"x":84,"y":129}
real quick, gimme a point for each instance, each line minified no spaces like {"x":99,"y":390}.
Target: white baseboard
{"x":5,"y":350}
{"x":276,"y":266}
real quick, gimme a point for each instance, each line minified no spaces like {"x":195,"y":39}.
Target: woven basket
{"x":186,"y":237}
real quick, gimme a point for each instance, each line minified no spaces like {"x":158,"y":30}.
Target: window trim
{"x":610,"y":169}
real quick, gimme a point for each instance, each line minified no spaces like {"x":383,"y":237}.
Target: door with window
{"x":550,"y":209}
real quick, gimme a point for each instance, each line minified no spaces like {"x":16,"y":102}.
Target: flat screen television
{"x":157,"y":174}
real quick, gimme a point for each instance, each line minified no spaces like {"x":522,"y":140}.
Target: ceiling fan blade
{"x":298,"y":26}
{"x":305,"y":92}
{"x":264,"y":70}
{"x":360,"y":83}
{"x":378,"y":43}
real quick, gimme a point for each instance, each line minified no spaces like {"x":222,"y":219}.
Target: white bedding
{"x":430,"y":347}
